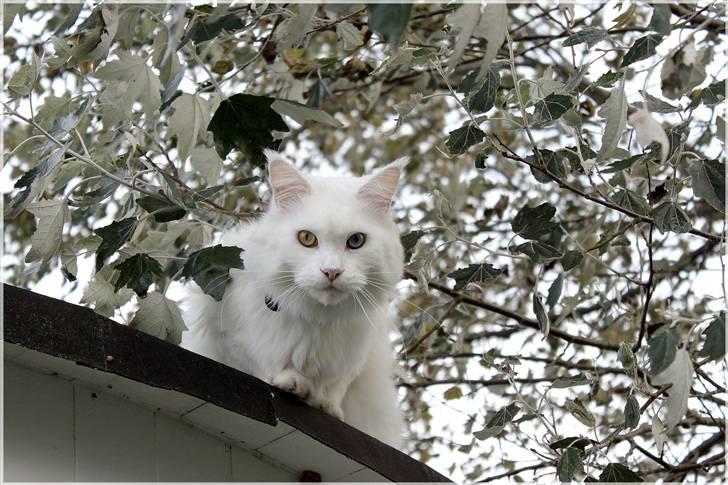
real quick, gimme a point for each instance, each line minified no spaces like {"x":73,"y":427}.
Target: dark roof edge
{"x":76,"y":333}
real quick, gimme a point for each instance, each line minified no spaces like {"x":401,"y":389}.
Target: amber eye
{"x":307,"y":238}
{"x":356,"y":240}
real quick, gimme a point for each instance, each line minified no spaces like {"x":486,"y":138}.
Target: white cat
{"x":308,"y":314}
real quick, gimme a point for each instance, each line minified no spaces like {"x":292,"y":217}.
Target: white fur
{"x":329,"y":346}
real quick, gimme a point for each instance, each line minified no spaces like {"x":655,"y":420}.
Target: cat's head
{"x":336,"y":237}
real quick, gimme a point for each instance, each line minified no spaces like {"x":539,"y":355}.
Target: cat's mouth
{"x":329,"y":295}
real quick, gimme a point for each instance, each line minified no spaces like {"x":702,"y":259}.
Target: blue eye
{"x":356,"y":240}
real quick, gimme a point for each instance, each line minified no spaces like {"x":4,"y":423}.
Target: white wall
{"x":59,"y":430}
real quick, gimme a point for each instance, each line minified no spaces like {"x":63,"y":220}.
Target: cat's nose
{"x":332,"y":273}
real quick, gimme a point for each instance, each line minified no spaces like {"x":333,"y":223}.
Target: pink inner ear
{"x":287,"y":183}
{"x":378,"y":192}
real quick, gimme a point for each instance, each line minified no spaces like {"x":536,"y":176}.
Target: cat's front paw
{"x":328,"y":406}
{"x":290,"y":380}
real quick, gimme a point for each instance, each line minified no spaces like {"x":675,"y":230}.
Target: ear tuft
{"x":287,"y":183}
{"x":378,"y":192}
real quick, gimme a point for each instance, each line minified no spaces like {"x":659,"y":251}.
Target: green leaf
{"x":302,"y":113}
{"x":246,"y":122}
{"x":661,"y":349}
{"x":45,"y":167}
{"x":629,"y":200}
{"x":483,"y":99}
{"x":714,"y":344}
{"x":137,"y":273}
{"x":591,"y":35}
{"x":580,"y":412}
{"x":625,"y":356}
{"x":320,"y":91}
{"x":463,"y":138}
{"x":571,"y":259}
{"x":47,"y":237}
{"x":709,"y":182}
{"x":620,"y":165}
{"x":553,"y":162}
{"x":543,"y":319}
{"x":475,"y":273}
{"x":210,"y":268}
{"x":555,"y":290}
{"x":160,"y":317}
{"x":552,"y":107}
{"x":498,"y":422}
{"x":572,"y":442}
{"x":569,"y":463}
{"x":570,"y":381}
{"x":714,"y":93}
{"x":207,"y":27}
{"x":537,"y":251}
{"x":533,"y":223}
{"x":453,"y":393}
{"x":631,"y":413}
{"x":607,"y":80}
{"x":162,"y":210}
{"x":409,"y":241}
{"x":643,"y":48}
{"x":205,"y":194}
{"x":389,"y":21}
{"x":660,"y":20}
{"x":670,"y":217}
{"x":615,"y":472}
{"x":113,"y":237}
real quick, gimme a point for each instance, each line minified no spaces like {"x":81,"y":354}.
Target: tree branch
{"x":526,"y":322}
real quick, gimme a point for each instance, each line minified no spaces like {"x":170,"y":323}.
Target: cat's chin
{"x":329,"y":296}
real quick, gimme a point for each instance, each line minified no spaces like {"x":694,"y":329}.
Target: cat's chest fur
{"x":321,"y":343}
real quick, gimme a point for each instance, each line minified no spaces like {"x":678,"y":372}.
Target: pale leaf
{"x":680,"y":375}
{"x":465,"y":19}
{"x":493,"y":26}
{"x":101,"y":294}
{"x":302,"y":113}
{"x":159,"y":316}
{"x":616,"y":107}
{"x":296,"y":28}
{"x":649,"y":130}
{"x":189,"y":122}
{"x":349,"y":35}
{"x":47,"y":236}
{"x":207,"y":162}
{"x":143,"y":84}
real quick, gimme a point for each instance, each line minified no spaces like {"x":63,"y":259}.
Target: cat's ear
{"x":287,"y":183}
{"x":378,"y":192}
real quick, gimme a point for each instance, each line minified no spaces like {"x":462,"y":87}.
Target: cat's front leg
{"x":328,"y":397}
{"x":290,"y":380}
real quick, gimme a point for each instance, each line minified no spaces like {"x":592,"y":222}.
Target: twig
{"x":78,"y":156}
{"x":526,"y":322}
{"x":435,"y":328}
{"x":517,"y":471}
